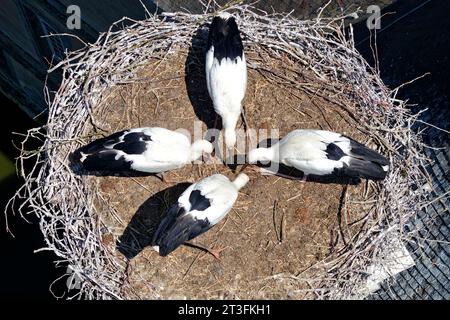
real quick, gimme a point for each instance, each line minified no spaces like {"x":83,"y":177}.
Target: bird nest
{"x":283,"y":238}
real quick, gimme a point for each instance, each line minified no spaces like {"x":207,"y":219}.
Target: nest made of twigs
{"x":315,"y":60}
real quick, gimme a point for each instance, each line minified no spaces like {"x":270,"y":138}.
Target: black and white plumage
{"x":323,"y":153}
{"x":199,"y":208}
{"x":226,"y":72}
{"x":150,"y":150}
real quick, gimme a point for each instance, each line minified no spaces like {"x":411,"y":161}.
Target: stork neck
{"x":199,"y":147}
{"x":241,"y":180}
{"x":261,"y":154}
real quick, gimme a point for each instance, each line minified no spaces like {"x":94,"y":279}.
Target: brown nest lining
{"x":286,"y":240}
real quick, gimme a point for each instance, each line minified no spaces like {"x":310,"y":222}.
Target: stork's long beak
{"x":207,"y":158}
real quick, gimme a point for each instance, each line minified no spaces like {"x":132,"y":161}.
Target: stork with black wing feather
{"x":200,"y":207}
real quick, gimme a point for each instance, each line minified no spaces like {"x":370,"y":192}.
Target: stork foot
{"x":216,"y":252}
{"x":257,"y":170}
{"x":163,"y":177}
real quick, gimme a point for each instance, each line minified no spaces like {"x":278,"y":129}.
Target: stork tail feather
{"x":365,"y":169}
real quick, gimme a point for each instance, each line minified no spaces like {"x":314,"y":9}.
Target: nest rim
{"x":85,"y":78}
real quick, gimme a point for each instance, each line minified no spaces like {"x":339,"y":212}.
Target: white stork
{"x":320,"y":153}
{"x":226,"y":72}
{"x":201,"y":206}
{"x":150,"y":150}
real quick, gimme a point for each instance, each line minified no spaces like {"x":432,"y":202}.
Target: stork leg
{"x":214,"y":252}
{"x":218,"y":147}
{"x":163,"y":177}
{"x":256,"y":169}
{"x":244,"y":121}
{"x":302,"y":179}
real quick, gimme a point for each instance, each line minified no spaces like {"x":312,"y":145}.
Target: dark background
{"x":23,"y":273}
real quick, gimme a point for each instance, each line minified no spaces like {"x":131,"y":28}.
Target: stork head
{"x":261,"y":154}
{"x":241,"y":180}
{"x":200,"y":147}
